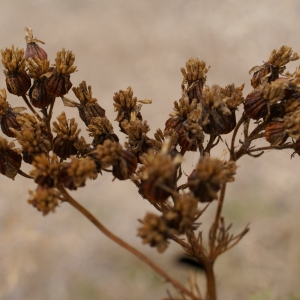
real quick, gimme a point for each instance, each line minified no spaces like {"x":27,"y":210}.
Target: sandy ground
{"x":143,"y":44}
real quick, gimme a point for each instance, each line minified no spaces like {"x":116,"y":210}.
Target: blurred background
{"x":143,"y":44}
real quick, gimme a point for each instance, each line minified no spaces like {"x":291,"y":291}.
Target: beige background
{"x":143,"y":44}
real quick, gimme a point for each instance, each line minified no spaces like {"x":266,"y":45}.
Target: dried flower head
{"x":255,"y":106}
{"x":233,"y":96}
{"x":10,"y":159}
{"x":155,"y":232}
{"x":126,"y":106}
{"x":275,"y":133}
{"x":39,"y":70}
{"x":88,"y":107}
{"x":8,"y":115}
{"x":195,"y":70}
{"x":67,"y":136}
{"x":44,"y":200}
{"x":221,"y":119}
{"x":124,"y":162}
{"x":46,"y":170}
{"x":33,"y":137}
{"x":270,"y":70}
{"x":182,"y":216}
{"x":74,"y":174}
{"x":17,"y":80}
{"x":292,"y":124}
{"x":160,"y":137}
{"x":158,"y":174}
{"x":58,"y":83}
{"x":136,"y":131}
{"x":275,"y":91}
{"x":205,"y":181}
{"x":101,"y":129}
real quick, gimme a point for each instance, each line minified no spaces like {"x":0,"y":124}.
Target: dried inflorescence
{"x":66,"y":138}
{"x":101,"y":129}
{"x":158,"y":174}
{"x":46,"y":170}
{"x":33,"y":137}
{"x":44,"y":200}
{"x":39,"y":70}
{"x":205,"y":181}
{"x":155,"y":232}
{"x":275,"y":66}
{"x":58,"y":83}
{"x":88,"y":107}
{"x":124,"y":162}
{"x":73,"y":174}
{"x":136,"y":131}
{"x":17,"y":80}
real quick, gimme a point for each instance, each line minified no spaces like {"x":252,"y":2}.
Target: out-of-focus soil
{"x":144,"y":44}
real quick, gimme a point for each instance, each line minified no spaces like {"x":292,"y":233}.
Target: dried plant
{"x":63,"y":160}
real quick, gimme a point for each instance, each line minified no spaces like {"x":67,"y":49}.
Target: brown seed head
{"x":67,"y":136}
{"x":46,"y":172}
{"x":233,"y":96}
{"x":17,"y":80}
{"x":33,"y":137}
{"x":155,"y":232}
{"x":181,"y":217}
{"x":275,"y":133}
{"x":195,"y":70}
{"x":74,"y":174}
{"x":205,"y":181}
{"x":101,"y":129}
{"x":282,"y":56}
{"x":44,"y":200}
{"x":157,"y":174}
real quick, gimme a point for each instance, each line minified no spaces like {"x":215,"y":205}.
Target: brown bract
{"x":10,"y":158}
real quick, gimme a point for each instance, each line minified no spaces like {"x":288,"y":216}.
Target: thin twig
{"x":31,"y":108}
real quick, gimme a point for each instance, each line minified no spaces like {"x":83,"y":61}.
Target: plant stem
{"x":31,"y":108}
{"x":211,"y":291}
{"x":124,"y":245}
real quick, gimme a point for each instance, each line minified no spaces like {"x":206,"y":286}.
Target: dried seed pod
{"x":158,"y":174}
{"x":33,"y":50}
{"x":33,"y":137}
{"x":17,"y":80}
{"x":58,"y":83}
{"x":292,"y":124}
{"x":275,"y":66}
{"x":67,"y":136}
{"x":74,"y":174}
{"x":44,"y":199}
{"x":195,"y":77}
{"x":255,"y":105}
{"x":38,"y":95}
{"x":9,"y":120}
{"x":138,"y":142}
{"x":125,"y":166}
{"x":181,"y":217}
{"x":101,"y":129}
{"x":155,"y":232}
{"x":205,"y":181}
{"x":10,"y":159}
{"x":275,"y":133}
{"x":46,"y":170}
{"x":124,"y":162}
{"x":88,"y":107}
